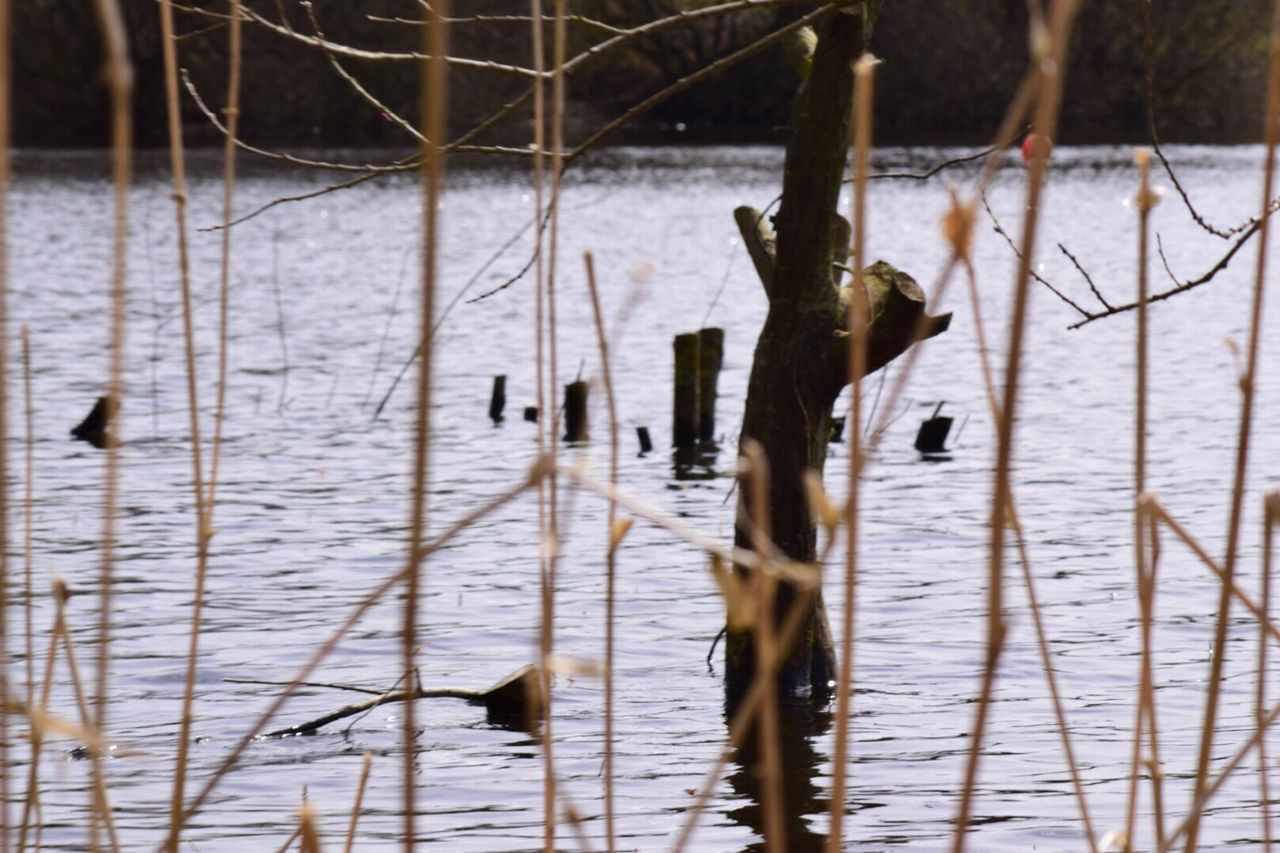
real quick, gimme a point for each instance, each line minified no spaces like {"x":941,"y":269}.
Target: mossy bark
{"x":801,"y":357}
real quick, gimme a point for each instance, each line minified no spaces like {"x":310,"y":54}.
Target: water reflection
{"x":800,"y":727}
{"x":696,"y":462}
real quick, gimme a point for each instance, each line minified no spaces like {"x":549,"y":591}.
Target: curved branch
{"x":1183,"y":286}
{"x":363,"y":93}
{"x":404,"y":165}
{"x":999,"y":229}
{"x":384,"y":56}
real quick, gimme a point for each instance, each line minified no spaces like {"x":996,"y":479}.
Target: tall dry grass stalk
{"x":550,"y":534}
{"x":1049,"y":54}
{"x":229,"y":139}
{"x":864,"y":70}
{"x":754,"y":467}
{"x":545,"y":400}
{"x":1209,"y":721}
{"x":177,"y":162}
{"x":958,"y":225}
{"x":434,"y":108}
{"x":28,"y":498}
{"x":1145,"y":715}
{"x":4,"y":431}
{"x":366,"y":764}
{"x":615,"y":533}
{"x":1271,"y":518}
{"x":119,"y":77}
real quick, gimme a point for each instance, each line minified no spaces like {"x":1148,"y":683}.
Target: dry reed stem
{"x":178,"y":165}
{"x":4,"y":422}
{"x":1145,"y":202}
{"x":309,"y":841}
{"x":1271,"y":517}
{"x":224,"y":283}
{"x":4,"y":403}
{"x":1148,"y":699}
{"x":864,"y":70}
{"x":31,"y":804}
{"x":1046,"y":665}
{"x":1198,"y":550}
{"x":119,"y":77}
{"x":536,"y":474}
{"x":28,"y":477}
{"x":611,"y":557}
{"x":1024,"y":560}
{"x":550,"y":532}
{"x":1051,"y":67}
{"x":753,"y":466}
{"x":288,"y":842}
{"x":100,"y":798}
{"x":1242,"y":442}
{"x":434,"y":112}
{"x":1211,"y":788}
{"x":745,"y":715}
{"x":539,"y":176}
{"x":366,"y":764}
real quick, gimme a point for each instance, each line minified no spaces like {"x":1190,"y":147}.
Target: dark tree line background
{"x":949,"y":70}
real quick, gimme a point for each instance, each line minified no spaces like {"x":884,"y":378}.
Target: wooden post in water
{"x":711,"y":350}
{"x":698,"y":358}
{"x":575,"y":411}
{"x":498,"y":400}
{"x":646,"y":445}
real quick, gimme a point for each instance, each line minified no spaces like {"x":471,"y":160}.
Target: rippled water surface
{"x":312,"y":503}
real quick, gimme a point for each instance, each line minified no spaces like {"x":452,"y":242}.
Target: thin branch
{"x":999,"y":229}
{"x":404,"y":165}
{"x":1085,"y":275}
{"x":385,"y":56}
{"x":1182,"y":287}
{"x":935,"y":169}
{"x":356,"y":86}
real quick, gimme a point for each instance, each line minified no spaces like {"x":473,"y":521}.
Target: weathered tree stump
{"x":801,"y":358}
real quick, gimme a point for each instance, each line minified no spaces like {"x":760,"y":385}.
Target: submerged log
{"x":515,"y":701}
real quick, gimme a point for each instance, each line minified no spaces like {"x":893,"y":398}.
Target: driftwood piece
{"x":514,"y":702}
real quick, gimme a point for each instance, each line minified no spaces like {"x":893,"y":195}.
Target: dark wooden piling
{"x":575,"y":411}
{"x":711,"y":350}
{"x":531,"y":414}
{"x":698,"y":358}
{"x":498,"y":399}
{"x":646,"y":445}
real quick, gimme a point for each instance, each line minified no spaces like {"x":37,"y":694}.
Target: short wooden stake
{"x":498,"y":400}
{"x":531,"y":414}
{"x":575,"y":411}
{"x":642,"y":433}
{"x":698,"y":359}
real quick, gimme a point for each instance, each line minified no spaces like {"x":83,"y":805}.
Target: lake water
{"x":313,"y":503}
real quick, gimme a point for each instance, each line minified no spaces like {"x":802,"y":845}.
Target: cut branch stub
{"x":762,"y":244}
{"x":898,"y":318}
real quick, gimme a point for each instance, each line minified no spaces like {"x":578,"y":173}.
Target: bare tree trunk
{"x":801,"y":357}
